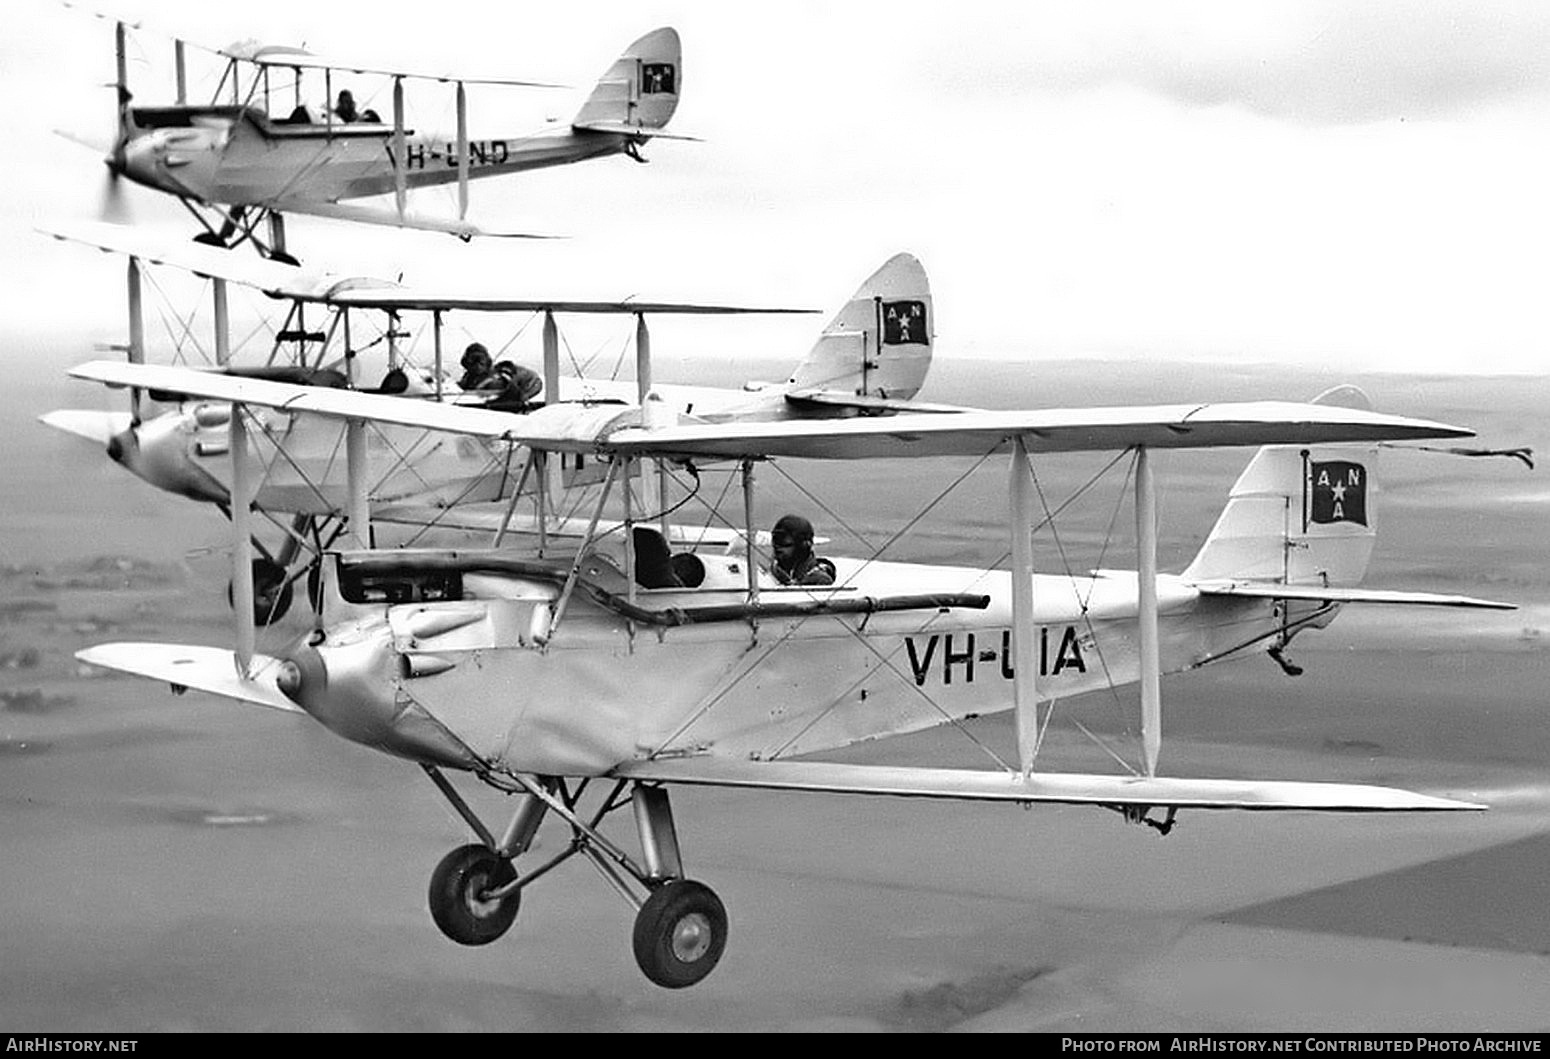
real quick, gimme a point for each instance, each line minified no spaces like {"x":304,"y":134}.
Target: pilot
{"x":478,"y":368}
{"x":795,"y":563}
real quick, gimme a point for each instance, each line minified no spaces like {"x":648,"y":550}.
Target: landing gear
{"x":680,"y":928}
{"x":680,"y":933}
{"x":460,"y":895}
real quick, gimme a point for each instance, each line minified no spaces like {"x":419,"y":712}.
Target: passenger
{"x":344,"y":109}
{"x":478,"y":369}
{"x":518,"y":386}
{"x":795,"y":563}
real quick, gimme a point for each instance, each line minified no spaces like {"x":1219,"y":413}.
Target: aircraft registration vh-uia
{"x":258,"y":150}
{"x":614,"y":665}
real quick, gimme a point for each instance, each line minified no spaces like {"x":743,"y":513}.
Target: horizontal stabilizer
{"x":1263,"y":590}
{"x":210,"y":669}
{"x":867,"y":403}
{"x":1069,"y":788}
{"x":624,"y":128}
{"x":88,"y":424}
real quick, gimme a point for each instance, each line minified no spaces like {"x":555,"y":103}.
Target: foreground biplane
{"x":871,"y":358}
{"x":623,"y":665}
{"x":260,"y":148}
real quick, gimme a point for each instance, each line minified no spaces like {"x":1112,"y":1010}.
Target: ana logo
{"x":1337,"y":492}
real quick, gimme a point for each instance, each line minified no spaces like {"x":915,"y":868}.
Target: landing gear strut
{"x":680,"y":928}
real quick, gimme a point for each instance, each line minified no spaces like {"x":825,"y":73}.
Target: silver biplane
{"x":623,"y":665}
{"x":872,"y":358}
{"x":260,"y":150}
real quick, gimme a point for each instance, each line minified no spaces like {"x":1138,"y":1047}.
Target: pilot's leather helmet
{"x":794,"y":528}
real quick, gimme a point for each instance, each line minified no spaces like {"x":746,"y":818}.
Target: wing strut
{"x":462,"y":153}
{"x":222,"y":323}
{"x":1146,"y":610}
{"x":1025,"y":697}
{"x":136,"y":332}
{"x":400,"y":154}
{"x":241,"y":538}
{"x":436,"y":331}
{"x":359,"y":510}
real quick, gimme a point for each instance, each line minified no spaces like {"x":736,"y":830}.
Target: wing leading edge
{"x":612,"y":430}
{"x":1053,"y":787}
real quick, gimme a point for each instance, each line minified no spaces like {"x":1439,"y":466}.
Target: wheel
{"x":458,"y":904}
{"x":680,"y":933}
{"x":271,"y":592}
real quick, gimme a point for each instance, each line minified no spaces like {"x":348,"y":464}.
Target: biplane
{"x":871,"y":358}
{"x":261,"y":148}
{"x":596,"y":678}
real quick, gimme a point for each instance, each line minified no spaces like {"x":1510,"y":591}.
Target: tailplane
{"x":639,"y":92}
{"x":878,"y":346}
{"x":1298,"y":515}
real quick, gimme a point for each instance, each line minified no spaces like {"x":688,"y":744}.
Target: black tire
{"x":456,"y":895}
{"x":680,"y":933}
{"x":271,"y":592}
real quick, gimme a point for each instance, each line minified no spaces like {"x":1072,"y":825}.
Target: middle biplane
{"x":258,"y":150}
{"x":871,"y":358}
{"x":622,"y":665}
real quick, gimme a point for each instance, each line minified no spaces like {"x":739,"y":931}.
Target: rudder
{"x":640,"y":90}
{"x":1298,"y":515}
{"x":879,"y":343}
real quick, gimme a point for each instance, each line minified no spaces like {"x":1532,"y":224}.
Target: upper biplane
{"x":260,"y":148}
{"x":871,"y":358}
{"x":623,"y":664}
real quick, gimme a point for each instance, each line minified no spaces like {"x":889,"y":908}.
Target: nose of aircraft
{"x":353,"y":688}
{"x":137,"y":159}
{"x":120,"y":444}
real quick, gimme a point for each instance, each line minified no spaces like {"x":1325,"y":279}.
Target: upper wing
{"x":272,"y":277}
{"x":364,"y":292}
{"x":1072,"y":788}
{"x":288,"y":57}
{"x":616,"y":430}
{"x":974,"y":433}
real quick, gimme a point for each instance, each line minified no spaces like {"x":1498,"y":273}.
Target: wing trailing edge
{"x":1053,"y":787}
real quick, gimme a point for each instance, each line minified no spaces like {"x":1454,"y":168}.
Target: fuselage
{"x":185,"y":451}
{"x":238,"y":156}
{"x":491,"y":676}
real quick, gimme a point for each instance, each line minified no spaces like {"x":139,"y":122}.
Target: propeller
{"x":112,"y":205}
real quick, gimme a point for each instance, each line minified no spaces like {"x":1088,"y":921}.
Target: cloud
{"x":1317,"y":63}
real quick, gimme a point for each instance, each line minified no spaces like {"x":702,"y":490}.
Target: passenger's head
{"x":476,"y":358}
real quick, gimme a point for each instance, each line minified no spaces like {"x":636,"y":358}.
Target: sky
{"x":1281,"y":182}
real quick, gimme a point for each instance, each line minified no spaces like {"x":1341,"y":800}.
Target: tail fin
{"x":640,"y":90}
{"x":879,"y":344}
{"x":1298,"y":516}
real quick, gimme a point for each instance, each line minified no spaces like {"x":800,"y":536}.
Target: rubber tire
{"x":272,"y":592}
{"x":677,"y":906}
{"x":456,"y":884}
